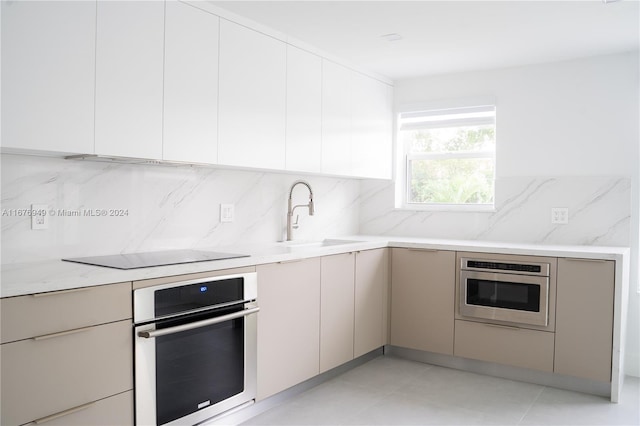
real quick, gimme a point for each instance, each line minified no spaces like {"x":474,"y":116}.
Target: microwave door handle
{"x":197,"y":324}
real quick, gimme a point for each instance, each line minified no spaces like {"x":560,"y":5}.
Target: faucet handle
{"x":295,"y":224}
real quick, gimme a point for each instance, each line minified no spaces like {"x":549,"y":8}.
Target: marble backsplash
{"x":166,"y":207}
{"x":179,"y":207}
{"x":599,"y":213}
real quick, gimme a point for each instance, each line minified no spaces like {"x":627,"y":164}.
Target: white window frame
{"x":403,"y":157}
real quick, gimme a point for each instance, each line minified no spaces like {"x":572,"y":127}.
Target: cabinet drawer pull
{"x":576,"y":259}
{"x":62,"y":413}
{"x":54,"y":293}
{"x":62,"y":333}
{"x":282,"y":262}
{"x":508,"y":327}
{"x":428,"y":250}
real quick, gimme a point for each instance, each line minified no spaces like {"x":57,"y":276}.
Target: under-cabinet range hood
{"x":130,"y":160}
{"x":154,"y":258}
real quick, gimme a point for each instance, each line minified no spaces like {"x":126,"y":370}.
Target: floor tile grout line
{"x":531,"y":405}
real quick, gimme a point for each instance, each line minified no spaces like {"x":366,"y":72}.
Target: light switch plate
{"x":226,"y":212}
{"x":560,"y":215}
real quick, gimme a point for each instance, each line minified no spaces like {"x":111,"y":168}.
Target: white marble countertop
{"x":29,"y":278}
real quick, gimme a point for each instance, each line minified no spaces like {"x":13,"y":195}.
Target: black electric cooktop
{"x":154,"y":258}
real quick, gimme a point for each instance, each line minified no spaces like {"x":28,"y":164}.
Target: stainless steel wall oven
{"x":195,"y":349}
{"x":505,"y":291}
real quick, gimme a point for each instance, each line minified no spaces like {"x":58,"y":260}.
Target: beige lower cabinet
{"x":422,"y":299}
{"x":319,"y":313}
{"x":67,"y":357}
{"x":112,"y":411}
{"x":353,"y":305}
{"x":584,"y":318}
{"x":519,"y":347}
{"x":288,"y":324}
{"x":52,"y":374}
{"x":371,"y":301}
{"x":337,"y":292}
{"x":63,"y":310}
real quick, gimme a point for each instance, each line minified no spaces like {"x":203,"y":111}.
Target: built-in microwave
{"x":505,"y":291}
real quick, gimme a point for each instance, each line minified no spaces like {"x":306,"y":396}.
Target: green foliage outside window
{"x":464,"y":174}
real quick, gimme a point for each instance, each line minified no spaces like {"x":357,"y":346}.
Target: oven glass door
{"x":195,"y":349}
{"x":500,"y":294}
{"x":198,"y":368}
{"x":519,"y":299}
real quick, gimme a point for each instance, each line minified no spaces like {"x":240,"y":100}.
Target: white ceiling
{"x":451,"y":36}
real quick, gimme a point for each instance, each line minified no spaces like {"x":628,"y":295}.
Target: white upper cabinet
{"x":48,"y":71}
{"x":129,"y":68}
{"x":252,"y":106}
{"x":304,"y":111}
{"x":170,"y":81}
{"x":356,"y":123}
{"x":371,"y":131}
{"x":190,"y":84}
{"x":336,"y":119}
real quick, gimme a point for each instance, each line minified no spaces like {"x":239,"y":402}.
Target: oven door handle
{"x":198,"y":324}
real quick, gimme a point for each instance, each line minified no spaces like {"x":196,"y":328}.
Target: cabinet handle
{"x":424,"y":249}
{"x":508,"y":327}
{"x":282,"y":262}
{"x":62,"y":413}
{"x":198,"y":324}
{"x":63,"y":333}
{"x":576,"y":259}
{"x":53,"y":293}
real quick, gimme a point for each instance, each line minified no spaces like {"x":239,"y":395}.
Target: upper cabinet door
{"x":371,"y":141}
{"x":129,"y":67}
{"x":48,"y":74}
{"x":304,"y":111}
{"x":190,"y":84}
{"x":336,"y":119}
{"x":252,"y":106}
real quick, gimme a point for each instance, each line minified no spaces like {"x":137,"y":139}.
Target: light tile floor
{"x":394,"y":391}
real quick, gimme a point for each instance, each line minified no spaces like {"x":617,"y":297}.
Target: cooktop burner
{"x":154,"y":258}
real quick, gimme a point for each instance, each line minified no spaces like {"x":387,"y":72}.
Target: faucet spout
{"x":291,"y":207}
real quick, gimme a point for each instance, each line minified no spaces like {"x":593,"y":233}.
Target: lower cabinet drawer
{"x":63,"y":310}
{"x":518,"y":347}
{"x":115,"y":410}
{"x":51,"y":374}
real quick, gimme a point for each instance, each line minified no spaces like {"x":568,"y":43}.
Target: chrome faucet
{"x":292,"y":208}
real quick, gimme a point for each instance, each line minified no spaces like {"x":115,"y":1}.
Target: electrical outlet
{"x":226,"y":212}
{"x":560,"y":215}
{"x":39,"y":216}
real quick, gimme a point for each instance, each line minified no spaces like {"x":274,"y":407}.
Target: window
{"x":449,"y":158}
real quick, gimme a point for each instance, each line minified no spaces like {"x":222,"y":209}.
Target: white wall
{"x":567,"y":136}
{"x":576,"y":118}
{"x":168,"y":207}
